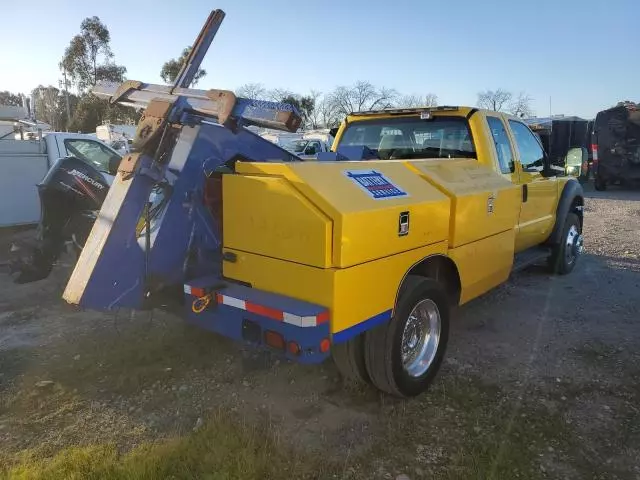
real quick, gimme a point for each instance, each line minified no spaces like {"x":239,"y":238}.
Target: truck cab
{"x":497,"y":141}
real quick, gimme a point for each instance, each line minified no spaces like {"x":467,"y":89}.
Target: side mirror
{"x":576,"y":160}
{"x":574,"y":157}
{"x":114,"y":163}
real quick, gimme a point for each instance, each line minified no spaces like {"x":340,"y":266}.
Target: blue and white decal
{"x":375,"y":184}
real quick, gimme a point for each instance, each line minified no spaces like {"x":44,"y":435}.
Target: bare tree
{"x":329,"y":114}
{"x":315,"y":117}
{"x":277,"y":94}
{"x":497,"y":100}
{"x":252,"y":90}
{"x":521,"y":106}
{"x":414,"y":101}
{"x":361,"y":96}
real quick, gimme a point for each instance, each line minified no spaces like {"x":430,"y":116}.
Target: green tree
{"x":50,"y":107}
{"x":171,"y":68}
{"x":92,"y":111}
{"x":88,"y":58}
{"x":47,"y":106}
{"x":304,"y":104}
{"x":12,"y":99}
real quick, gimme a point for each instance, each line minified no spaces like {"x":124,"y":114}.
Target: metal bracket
{"x":152,"y":123}
{"x":226,"y":100}
{"x":129,"y":163}
{"x":123,"y":89}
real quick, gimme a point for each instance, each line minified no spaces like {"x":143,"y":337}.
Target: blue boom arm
{"x":154,"y":231}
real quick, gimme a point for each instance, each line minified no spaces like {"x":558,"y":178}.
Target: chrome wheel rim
{"x":421,"y":337}
{"x":573,"y":246}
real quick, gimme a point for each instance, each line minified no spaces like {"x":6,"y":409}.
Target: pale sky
{"x":581,"y":54}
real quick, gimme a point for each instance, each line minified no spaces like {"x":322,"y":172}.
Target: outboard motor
{"x":71,"y":195}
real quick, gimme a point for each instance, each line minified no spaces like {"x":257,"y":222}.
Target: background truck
{"x":567,"y":141}
{"x":118,"y":137}
{"x":361,"y":256}
{"x":616,"y":138}
{"x":24,"y":163}
{"x":312,"y":144}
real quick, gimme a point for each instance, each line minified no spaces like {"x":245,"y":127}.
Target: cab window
{"x":412,"y":137}
{"x":502,"y":144}
{"x":531,"y":152}
{"x":91,"y":152}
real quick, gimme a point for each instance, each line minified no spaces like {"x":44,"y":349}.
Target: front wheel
{"x":566,"y":253}
{"x":404,"y":355}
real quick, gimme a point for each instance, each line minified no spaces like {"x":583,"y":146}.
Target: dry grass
{"x":222,"y":449}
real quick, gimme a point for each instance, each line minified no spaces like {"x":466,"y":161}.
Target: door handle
{"x":525,"y":193}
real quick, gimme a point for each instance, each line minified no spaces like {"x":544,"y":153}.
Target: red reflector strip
{"x":265,"y":311}
{"x":273,"y":313}
{"x":232,"y":302}
{"x":322,"y":317}
{"x":195,"y":291}
{"x":594,"y":151}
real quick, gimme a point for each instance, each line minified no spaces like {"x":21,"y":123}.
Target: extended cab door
{"x":539,"y":193}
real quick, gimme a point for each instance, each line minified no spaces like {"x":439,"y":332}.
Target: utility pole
{"x":66,"y":94}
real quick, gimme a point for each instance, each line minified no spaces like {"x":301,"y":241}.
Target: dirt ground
{"x":541,"y":380}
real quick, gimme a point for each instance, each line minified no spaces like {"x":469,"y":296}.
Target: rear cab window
{"x":412,"y":137}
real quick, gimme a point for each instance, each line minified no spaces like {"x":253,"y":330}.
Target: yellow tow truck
{"x":360,"y":255}
{"x":452,"y":200}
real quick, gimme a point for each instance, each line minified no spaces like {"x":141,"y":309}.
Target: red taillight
{"x":274,"y":339}
{"x":594,"y":152}
{"x":325,"y":344}
{"x":294,"y":348}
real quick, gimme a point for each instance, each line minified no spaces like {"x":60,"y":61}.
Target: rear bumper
{"x":298,"y":330}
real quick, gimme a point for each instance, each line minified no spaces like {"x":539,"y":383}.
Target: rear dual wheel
{"x":402,"y":356}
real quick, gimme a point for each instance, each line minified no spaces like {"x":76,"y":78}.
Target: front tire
{"x":403,"y":355}
{"x":566,"y":253}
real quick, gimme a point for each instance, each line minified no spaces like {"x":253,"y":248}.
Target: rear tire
{"x":403,"y":355}
{"x":564,"y":257}
{"x":349,"y":359}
